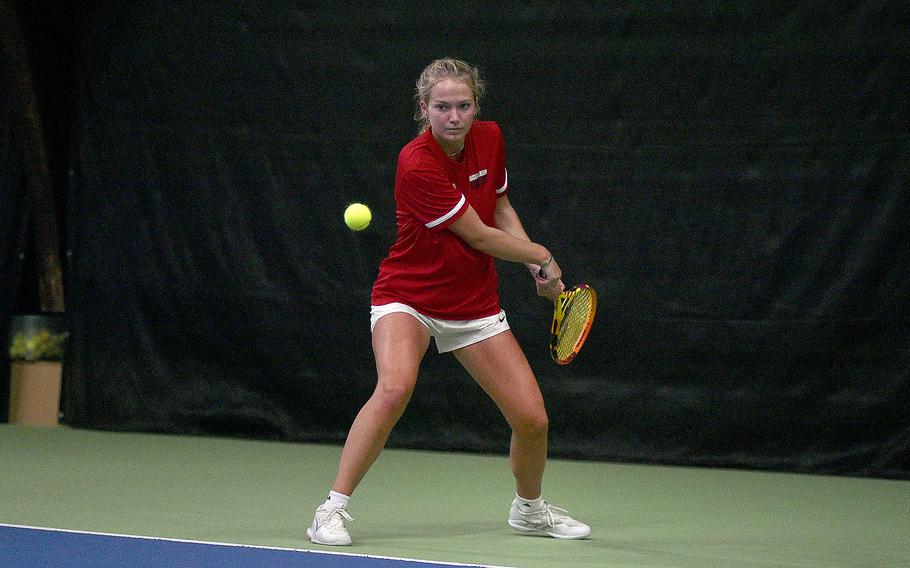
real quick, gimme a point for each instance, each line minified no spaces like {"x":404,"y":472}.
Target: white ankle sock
{"x":529,"y":505}
{"x":339,"y":500}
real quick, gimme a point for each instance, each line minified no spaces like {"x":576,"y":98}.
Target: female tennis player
{"x":439,"y":281}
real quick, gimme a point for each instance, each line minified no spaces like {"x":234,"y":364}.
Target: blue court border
{"x":28,"y":547}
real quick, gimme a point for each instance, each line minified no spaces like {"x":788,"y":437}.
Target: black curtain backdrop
{"x":730,"y":177}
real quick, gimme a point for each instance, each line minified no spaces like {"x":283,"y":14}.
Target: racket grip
{"x":541,"y":273}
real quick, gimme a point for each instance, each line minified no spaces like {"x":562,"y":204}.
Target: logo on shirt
{"x":477,"y":179}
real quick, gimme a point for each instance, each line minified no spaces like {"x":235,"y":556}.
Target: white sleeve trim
{"x":447,"y":216}
{"x":505,"y":185}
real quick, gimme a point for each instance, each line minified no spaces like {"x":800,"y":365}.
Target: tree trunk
{"x":40,"y":192}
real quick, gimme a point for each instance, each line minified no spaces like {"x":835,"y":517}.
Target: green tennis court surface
{"x":446,"y":507}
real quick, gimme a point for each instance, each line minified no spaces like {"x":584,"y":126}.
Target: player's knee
{"x":392,"y":398}
{"x":531,"y":423}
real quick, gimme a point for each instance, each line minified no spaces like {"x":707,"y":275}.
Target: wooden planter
{"x":36,"y":372}
{"x":34,"y":397}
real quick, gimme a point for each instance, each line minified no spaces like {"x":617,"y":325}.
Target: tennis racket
{"x":573,"y":316}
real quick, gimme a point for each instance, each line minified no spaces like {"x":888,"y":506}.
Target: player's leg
{"x":499,"y":366}
{"x":399,"y":343}
{"x":501,"y":369}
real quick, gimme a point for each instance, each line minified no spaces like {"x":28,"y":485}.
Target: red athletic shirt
{"x":429,"y":267}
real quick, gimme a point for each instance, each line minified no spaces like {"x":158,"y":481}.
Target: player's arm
{"x":507,"y":219}
{"x":501,"y":244}
{"x":496,"y":242}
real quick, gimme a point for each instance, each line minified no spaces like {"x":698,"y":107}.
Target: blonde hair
{"x":447,"y":68}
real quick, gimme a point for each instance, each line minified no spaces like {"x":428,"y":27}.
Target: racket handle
{"x":540,"y":272}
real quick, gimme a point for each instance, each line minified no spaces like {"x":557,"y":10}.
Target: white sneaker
{"x":548,"y":520}
{"x":328,"y":526}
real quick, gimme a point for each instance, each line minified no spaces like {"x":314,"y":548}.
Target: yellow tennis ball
{"x":357,"y":216}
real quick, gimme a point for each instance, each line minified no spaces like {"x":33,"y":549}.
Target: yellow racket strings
{"x":574,"y":322}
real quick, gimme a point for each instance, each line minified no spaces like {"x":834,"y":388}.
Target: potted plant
{"x":36,"y":352}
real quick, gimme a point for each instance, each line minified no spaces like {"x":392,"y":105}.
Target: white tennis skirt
{"x":449,"y":334}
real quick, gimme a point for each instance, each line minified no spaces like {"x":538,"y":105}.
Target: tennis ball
{"x":357,"y":216}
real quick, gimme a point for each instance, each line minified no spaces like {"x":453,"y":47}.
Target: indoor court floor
{"x":198,"y":501}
